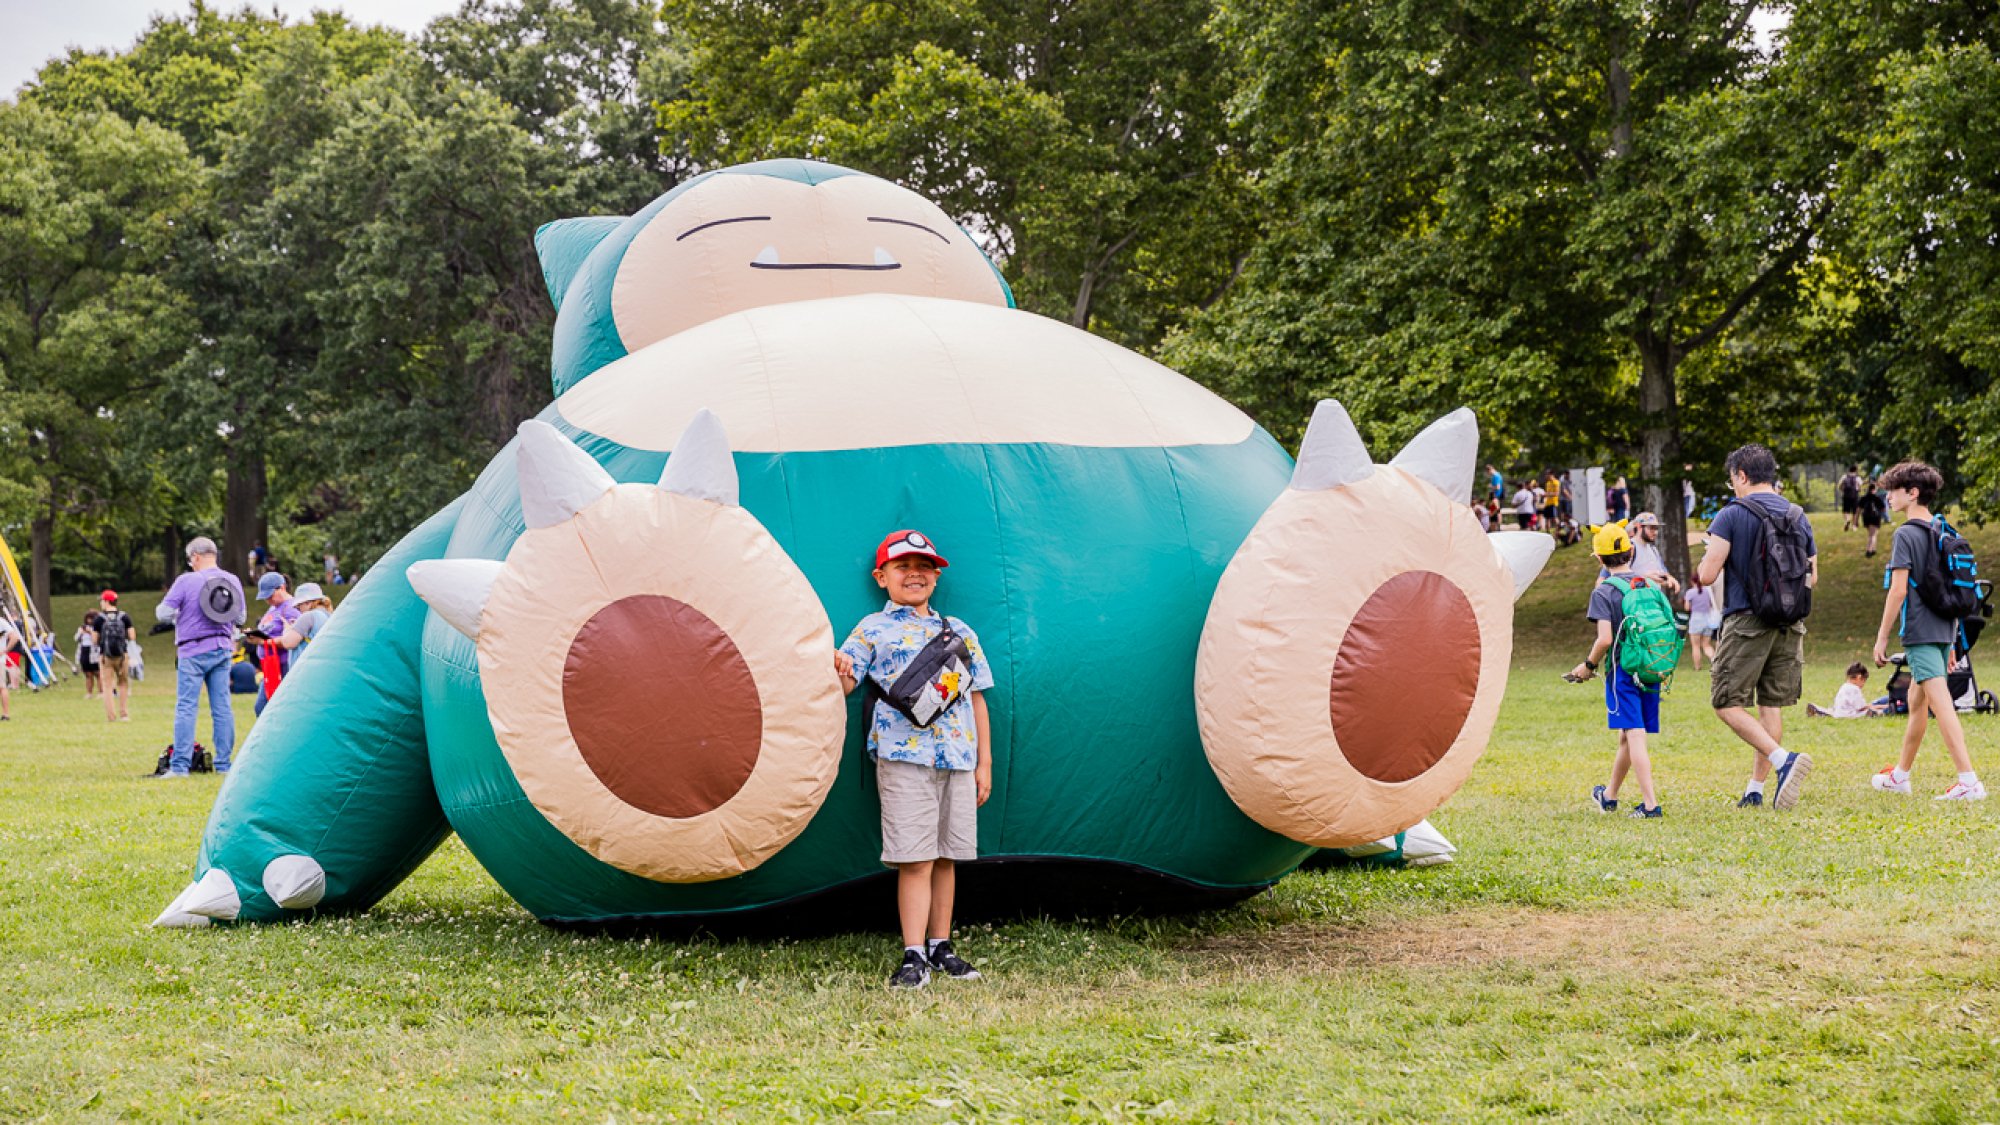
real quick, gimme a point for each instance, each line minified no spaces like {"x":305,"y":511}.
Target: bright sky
{"x":38,"y":30}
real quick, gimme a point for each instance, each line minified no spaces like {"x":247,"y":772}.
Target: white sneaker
{"x":1960,"y":791}
{"x":1887,"y":783}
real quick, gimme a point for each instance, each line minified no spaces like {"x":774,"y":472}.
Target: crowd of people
{"x":214,"y":651}
{"x":1747,"y":602}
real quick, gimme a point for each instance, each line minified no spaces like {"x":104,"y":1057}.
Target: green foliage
{"x":1532,"y":208}
{"x":90,"y":207}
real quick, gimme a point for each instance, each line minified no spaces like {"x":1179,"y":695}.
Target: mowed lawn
{"x":1839,"y":962}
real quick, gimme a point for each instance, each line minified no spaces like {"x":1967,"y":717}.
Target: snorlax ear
{"x":564,"y":244}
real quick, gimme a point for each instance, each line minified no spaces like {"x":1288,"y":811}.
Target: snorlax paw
{"x":1356,"y":649}
{"x":658,"y":672}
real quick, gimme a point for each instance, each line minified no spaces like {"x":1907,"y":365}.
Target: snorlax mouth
{"x":767,"y":259}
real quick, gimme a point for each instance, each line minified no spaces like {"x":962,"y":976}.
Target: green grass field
{"x":1838,"y":963}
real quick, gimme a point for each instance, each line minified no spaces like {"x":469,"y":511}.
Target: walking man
{"x":206,"y":605}
{"x":1765,"y":546}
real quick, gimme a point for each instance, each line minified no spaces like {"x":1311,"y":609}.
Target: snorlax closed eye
{"x":657,"y":670}
{"x":1357,"y":645}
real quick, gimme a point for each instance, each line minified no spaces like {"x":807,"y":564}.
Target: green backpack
{"x":1649,"y":641}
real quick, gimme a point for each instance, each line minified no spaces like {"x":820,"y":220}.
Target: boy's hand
{"x":1579,"y":674}
{"x":843,"y":665}
{"x":982,"y":777}
{"x":1881,"y":652}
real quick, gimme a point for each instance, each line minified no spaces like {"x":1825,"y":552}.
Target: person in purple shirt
{"x":272,"y":587}
{"x":205,"y":605}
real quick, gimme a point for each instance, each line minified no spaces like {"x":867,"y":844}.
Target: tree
{"x":89,"y":205}
{"x":246,"y":93}
{"x":1548,"y":206}
{"x":1084,"y":141}
{"x":1915,"y":329}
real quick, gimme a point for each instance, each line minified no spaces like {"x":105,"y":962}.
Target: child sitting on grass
{"x":933,"y":767}
{"x":1849,"y":702}
{"x":1631,"y":709}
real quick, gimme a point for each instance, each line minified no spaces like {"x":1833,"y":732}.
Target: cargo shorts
{"x":1757,"y":664}
{"x":927,"y":813}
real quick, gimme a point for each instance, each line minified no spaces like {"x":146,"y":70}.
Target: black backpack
{"x":199,"y":760}
{"x":1778,"y":591}
{"x":1949,"y":585}
{"x":111,"y":634}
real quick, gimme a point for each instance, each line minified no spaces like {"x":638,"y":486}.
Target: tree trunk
{"x":170,"y":545}
{"x":1660,"y":447}
{"x":243,"y":523}
{"x":1079,"y":316}
{"x":41,"y":549}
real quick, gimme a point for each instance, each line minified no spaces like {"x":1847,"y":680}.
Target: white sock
{"x":1968,"y":778}
{"x":931,"y":944}
{"x":1779,"y":757}
{"x":917,"y":949}
{"x":1753,"y":787}
{"x":1899,"y":775}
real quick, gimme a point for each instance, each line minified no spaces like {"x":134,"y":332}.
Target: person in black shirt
{"x":1870,"y":507}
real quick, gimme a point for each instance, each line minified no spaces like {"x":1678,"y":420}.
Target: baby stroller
{"x":1966,"y":694}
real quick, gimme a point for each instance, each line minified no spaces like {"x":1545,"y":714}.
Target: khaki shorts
{"x":1757,"y":663}
{"x":927,"y":813}
{"x":112,"y":671}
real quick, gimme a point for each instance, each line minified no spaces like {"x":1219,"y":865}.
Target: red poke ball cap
{"x":907,"y":542}
{"x":109,"y":596}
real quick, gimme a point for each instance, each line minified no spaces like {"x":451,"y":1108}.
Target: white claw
{"x":456,"y":588}
{"x":1525,"y":553}
{"x":176,"y":917}
{"x":700,"y":465}
{"x":884,"y":258}
{"x":557,"y":479}
{"x":295,"y":882}
{"x":768,"y":256}
{"x":213,"y":896}
{"x":1445,"y":454}
{"x":1331,"y":454}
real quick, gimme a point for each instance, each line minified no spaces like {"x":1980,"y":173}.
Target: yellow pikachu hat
{"x":1610,"y":539}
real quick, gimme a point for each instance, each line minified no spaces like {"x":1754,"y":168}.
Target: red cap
{"x":906,"y":542}
{"x":109,"y":595}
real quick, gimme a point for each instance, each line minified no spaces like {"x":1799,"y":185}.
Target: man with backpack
{"x":1638,"y":639}
{"x":1765,"y":545}
{"x":114,"y":646}
{"x":1930,"y":582}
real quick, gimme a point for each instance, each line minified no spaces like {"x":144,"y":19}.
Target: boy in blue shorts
{"x":931,"y":744}
{"x":1630,"y":708}
{"x":1929,"y":636}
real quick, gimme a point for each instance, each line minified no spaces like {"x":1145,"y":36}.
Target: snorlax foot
{"x":1356,"y":649}
{"x":657,"y":671}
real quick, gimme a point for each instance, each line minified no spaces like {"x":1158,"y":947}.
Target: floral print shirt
{"x":881,"y":646}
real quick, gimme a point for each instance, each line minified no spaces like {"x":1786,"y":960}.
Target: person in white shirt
{"x":1849,"y":702}
{"x":1524,"y":506}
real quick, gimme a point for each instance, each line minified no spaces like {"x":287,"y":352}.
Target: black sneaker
{"x":1644,"y":813}
{"x":1791,"y":778}
{"x":913,"y":973}
{"x":1751,"y":801}
{"x":1602,"y":803}
{"x":947,"y":961}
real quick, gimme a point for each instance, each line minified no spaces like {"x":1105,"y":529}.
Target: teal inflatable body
{"x":620,"y":693}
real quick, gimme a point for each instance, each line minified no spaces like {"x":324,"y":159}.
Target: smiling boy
{"x":932,"y":775}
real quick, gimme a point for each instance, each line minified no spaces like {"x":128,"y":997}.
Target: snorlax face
{"x":734,"y":242}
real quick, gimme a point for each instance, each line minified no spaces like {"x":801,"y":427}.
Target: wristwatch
{"x":1590,"y":664}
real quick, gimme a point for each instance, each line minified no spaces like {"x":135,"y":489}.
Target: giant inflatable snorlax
{"x":609,"y":666}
